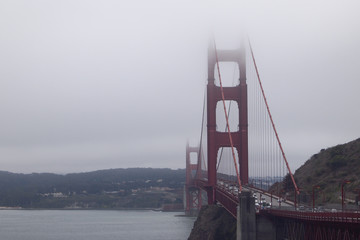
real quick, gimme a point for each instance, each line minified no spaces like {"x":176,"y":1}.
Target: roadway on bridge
{"x":274,"y":201}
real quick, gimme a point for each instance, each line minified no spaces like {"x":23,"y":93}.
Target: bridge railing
{"x":343,"y":217}
{"x":228,"y":200}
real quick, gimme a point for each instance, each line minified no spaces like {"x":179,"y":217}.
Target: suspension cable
{"x":271,"y":119}
{"x":229,"y":109}
{"x":200,"y":155}
{"x":227,"y":120}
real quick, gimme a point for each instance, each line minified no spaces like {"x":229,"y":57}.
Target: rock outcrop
{"x":213,"y":223}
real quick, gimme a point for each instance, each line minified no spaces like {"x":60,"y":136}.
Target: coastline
{"x":105,"y":209}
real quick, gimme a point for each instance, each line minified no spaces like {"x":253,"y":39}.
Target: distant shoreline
{"x":96,"y":209}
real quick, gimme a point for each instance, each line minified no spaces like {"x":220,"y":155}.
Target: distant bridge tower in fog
{"x":193,"y":199}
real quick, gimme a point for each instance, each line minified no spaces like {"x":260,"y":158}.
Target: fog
{"x":88,"y":85}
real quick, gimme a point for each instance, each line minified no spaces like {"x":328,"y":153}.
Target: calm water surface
{"x":92,"y":224}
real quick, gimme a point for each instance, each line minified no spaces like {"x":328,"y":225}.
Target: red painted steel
{"x":215,"y":139}
{"x":340,"y":217}
{"x":192,"y":192}
{"x":297,"y":224}
{"x":243,"y":121}
{"x":309,"y":230}
{"x":227,"y":119}
{"x":227,"y":200}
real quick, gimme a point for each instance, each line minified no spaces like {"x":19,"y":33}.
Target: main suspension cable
{"x":229,"y":109}
{"x":271,"y":119}
{"x":200,"y":153}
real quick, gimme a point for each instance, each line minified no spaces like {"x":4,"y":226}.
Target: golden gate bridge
{"x":239,"y":156}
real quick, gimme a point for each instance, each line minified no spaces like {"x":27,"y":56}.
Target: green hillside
{"x":113,"y":188}
{"x":328,"y":169}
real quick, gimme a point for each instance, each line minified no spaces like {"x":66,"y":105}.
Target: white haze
{"x":87,"y":85}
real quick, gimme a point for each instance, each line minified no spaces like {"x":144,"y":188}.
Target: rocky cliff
{"x":213,"y":223}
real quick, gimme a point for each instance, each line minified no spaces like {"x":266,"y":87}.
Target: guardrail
{"x":343,"y":217}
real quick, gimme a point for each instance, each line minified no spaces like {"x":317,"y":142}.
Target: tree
{"x":287,"y":183}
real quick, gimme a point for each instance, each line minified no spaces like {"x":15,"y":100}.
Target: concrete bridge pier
{"x":246,"y":217}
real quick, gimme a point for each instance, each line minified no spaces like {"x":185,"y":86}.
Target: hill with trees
{"x":113,"y":188}
{"x":326,"y":172}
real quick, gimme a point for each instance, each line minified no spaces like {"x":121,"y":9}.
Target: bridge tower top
{"x":235,"y":55}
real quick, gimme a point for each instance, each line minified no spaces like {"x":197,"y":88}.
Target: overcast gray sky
{"x":87,"y":85}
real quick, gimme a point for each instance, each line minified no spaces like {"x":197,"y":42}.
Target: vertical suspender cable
{"x":272,"y":122}
{"x":200,"y":155}
{"x":229,"y":108}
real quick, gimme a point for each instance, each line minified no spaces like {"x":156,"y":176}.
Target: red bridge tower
{"x":193,"y":201}
{"x":217,"y":139}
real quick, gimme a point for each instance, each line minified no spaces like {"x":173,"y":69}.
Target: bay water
{"x":93,"y":225}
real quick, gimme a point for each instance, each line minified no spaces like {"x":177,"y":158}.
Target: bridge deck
{"x":343,"y":217}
